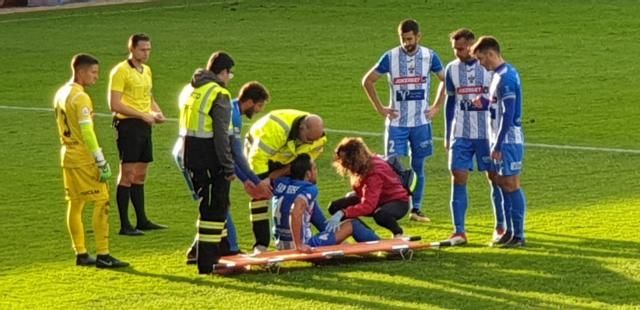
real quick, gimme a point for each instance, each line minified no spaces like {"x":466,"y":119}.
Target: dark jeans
{"x":386,"y":215}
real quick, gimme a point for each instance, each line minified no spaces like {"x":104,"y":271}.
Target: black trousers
{"x":213,"y":189}
{"x":386,"y":215}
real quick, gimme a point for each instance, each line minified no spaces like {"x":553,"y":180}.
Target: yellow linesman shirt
{"x":135,"y":86}
{"x":73,"y":106}
{"x":268,"y":140}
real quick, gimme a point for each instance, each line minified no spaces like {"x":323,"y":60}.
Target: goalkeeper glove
{"x":105,"y":170}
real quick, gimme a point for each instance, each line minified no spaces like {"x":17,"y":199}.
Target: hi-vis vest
{"x":267,"y":141}
{"x":195,"y":104}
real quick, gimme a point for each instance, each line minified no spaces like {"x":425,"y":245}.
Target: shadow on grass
{"x":545,"y":273}
{"x":555,"y":243}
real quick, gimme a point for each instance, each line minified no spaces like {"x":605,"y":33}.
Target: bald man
{"x":272,"y":143}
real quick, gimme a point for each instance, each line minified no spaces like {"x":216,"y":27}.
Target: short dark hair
{"x":408,"y":25}
{"x":220,"y":61}
{"x":253,"y":91}
{"x":462,"y":33}
{"x":300,"y":166}
{"x":83,"y":60}
{"x":484,"y":44}
{"x":134,"y":39}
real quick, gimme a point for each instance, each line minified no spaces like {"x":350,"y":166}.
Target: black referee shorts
{"x":134,"y":140}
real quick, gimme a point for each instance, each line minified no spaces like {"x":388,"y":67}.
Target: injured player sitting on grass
{"x":295,"y":208}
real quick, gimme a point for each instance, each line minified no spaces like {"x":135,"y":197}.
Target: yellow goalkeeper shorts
{"x":83,"y":183}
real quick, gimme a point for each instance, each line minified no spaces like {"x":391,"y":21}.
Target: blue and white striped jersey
{"x":409,"y":83}
{"x":285,"y":191}
{"x":506,"y":88}
{"x":465,"y":81}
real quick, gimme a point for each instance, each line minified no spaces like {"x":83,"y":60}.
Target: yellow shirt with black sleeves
{"x":73,"y":106}
{"x":134,"y":85}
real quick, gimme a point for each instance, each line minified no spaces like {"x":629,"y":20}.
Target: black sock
{"x":122,"y":198}
{"x":137,"y":199}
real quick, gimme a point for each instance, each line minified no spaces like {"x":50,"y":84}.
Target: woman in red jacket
{"x":378,"y":191}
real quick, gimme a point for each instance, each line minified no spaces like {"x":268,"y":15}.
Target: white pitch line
{"x":379,"y":134}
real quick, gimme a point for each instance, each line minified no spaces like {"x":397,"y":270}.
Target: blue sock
{"x":518,"y":208}
{"x":506,"y":203}
{"x":417,"y":164}
{"x":317,"y":219}
{"x":232,"y":237}
{"x":361,"y":232}
{"x":498,"y":208}
{"x":459,"y":206}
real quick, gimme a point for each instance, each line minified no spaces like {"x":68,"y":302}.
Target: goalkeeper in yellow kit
{"x":85,"y":170}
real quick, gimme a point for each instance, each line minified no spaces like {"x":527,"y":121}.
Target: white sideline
{"x":379,"y":134}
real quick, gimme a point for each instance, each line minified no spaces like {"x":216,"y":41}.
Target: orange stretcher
{"x":243,"y":262}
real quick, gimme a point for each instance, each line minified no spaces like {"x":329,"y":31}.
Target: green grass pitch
{"x":578,"y":62}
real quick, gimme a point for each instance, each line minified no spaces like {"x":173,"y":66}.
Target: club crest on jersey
{"x":407,"y":80}
{"x":410,"y":95}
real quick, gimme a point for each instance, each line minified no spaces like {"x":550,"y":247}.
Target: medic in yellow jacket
{"x":278,"y":137}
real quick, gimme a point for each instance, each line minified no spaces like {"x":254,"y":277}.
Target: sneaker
{"x":259,"y":249}
{"x":514,"y":243}
{"x":85,"y":260}
{"x":455,"y":239}
{"x":108,"y":261}
{"x":498,"y":240}
{"x":149,"y":225}
{"x":192,"y":255}
{"x":417,"y":215}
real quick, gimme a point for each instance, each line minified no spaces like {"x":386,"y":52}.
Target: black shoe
{"x":514,"y":243}
{"x":149,"y":225}
{"x":192,"y":256}
{"x":85,"y":260}
{"x":128,"y":231}
{"x":108,"y":261}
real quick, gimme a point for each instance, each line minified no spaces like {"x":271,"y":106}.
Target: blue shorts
{"x":462,"y":152}
{"x":511,"y":163}
{"x":322,"y":239}
{"x":419,"y":138}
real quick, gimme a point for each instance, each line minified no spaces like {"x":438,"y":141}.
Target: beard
{"x":410,"y":48}
{"x":249,"y":113}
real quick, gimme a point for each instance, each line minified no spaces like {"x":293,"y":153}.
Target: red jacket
{"x":380,"y":186}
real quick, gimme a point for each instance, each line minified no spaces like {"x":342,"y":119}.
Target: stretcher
{"x":272,"y":260}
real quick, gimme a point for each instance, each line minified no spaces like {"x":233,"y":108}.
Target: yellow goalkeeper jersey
{"x":72,"y":107}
